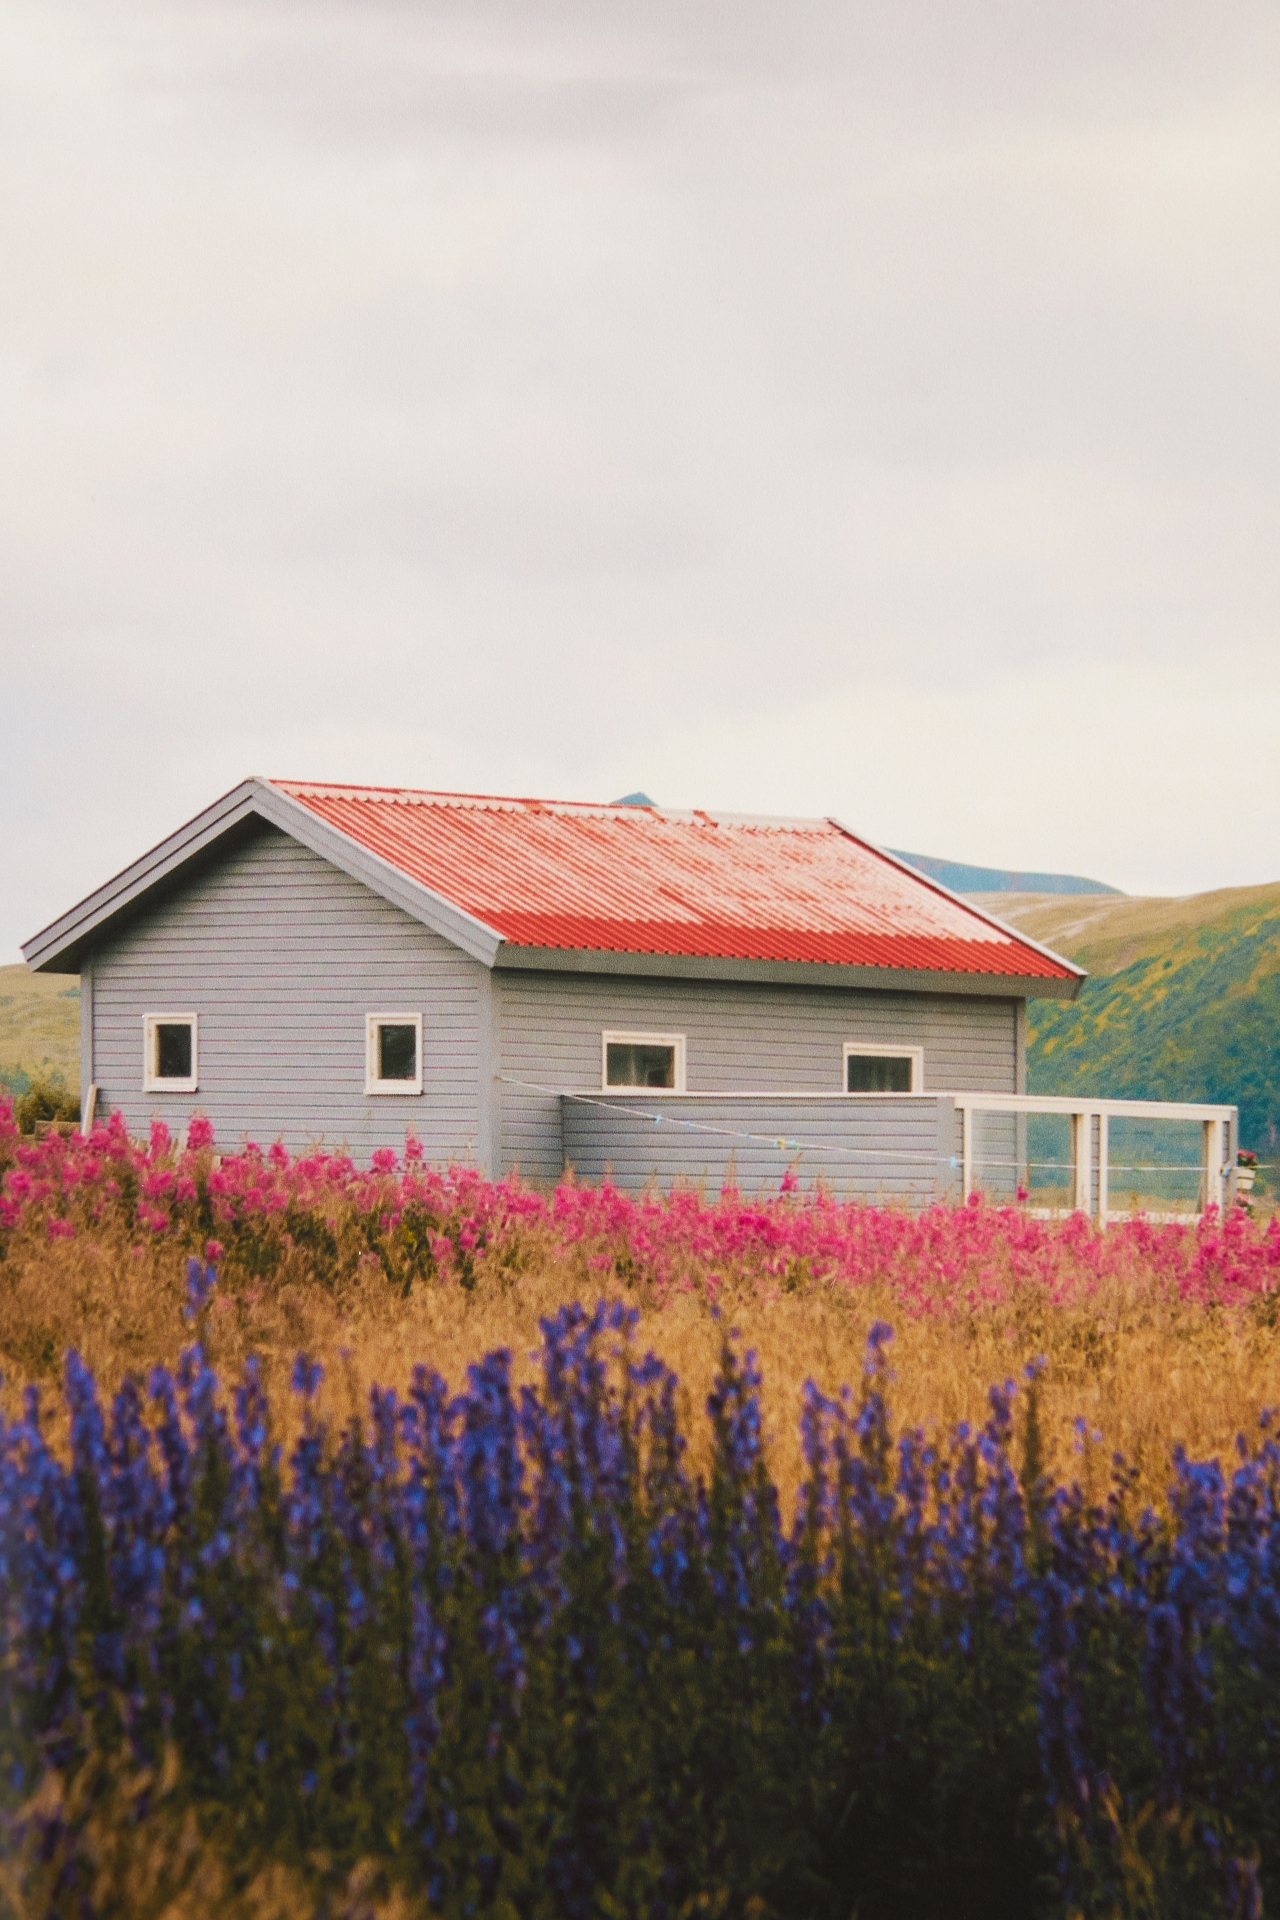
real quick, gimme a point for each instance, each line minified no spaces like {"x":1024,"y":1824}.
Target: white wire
{"x":781,"y":1143}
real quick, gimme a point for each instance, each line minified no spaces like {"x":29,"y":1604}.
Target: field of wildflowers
{"x":333,"y":1582}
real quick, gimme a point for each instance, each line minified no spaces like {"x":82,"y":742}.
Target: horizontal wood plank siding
{"x":756,"y":1038}
{"x":884,"y":1149}
{"x":282,"y":956}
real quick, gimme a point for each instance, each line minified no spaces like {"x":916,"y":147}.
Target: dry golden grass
{"x":170,"y":1865}
{"x":40,"y":1023}
{"x":1142,"y":1368}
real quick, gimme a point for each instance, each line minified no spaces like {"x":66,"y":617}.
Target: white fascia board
{"x":47,"y":950}
{"x":453,"y":923}
{"x":788,"y":973}
{"x":958,"y":899}
{"x":56,"y":948}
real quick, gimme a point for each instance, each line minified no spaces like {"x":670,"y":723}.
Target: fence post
{"x":1213,"y":1159}
{"x":1104,"y":1167}
{"x":1083,"y":1131}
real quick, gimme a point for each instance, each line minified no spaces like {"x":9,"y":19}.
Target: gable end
{"x":61,"y":946}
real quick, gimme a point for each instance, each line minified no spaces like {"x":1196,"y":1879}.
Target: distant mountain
{"x":1182,"y":1002}
{"x":962,"y":878}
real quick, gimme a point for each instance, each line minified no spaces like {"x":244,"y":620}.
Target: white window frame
{"x":372,"y":1084}
{"x":151,"y":1080}
{"x":619,"y":1039}
{"x":888,"y":1050}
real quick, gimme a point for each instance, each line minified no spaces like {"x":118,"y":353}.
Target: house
{"x":523,"y":982}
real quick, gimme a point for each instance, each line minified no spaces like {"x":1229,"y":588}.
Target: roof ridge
{"x":440,"y":796}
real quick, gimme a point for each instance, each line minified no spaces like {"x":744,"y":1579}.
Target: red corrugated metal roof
{"x":640,"y":880}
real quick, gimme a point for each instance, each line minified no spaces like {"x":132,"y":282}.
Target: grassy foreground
{"x":1153,"y":1336}
{"x":1145,"y":1368}
{"x":494,"y":1604}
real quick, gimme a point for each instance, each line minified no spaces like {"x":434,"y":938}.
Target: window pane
{"x":878,"y":1073}
{"x":173,"y":1050}
{"x":397,"y":1053}
{"x":631,"y":1065}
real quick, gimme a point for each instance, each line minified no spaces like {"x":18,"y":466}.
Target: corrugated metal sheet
{"x":639,"y":880}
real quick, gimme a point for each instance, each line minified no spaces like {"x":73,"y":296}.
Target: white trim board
{"x":866,"y":1050}
{"x":676,"y":1041}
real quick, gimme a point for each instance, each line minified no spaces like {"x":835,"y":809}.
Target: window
{"x":642,"y":1062}
{"x":883,"y":1069}
{"x":169,"y":1053}
{"x":393,"y":1053}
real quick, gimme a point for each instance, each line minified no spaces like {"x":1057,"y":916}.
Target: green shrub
{"x":45,"y":1099}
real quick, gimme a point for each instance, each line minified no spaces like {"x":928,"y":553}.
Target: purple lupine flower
{"x":91,"y":1465}
{"x":137,"y":1512}
{"x":427,"y":1670}
{"x":1059,"y":1595}
{"x":202,"y":1278}
{"x":306,"y":1377}
{"x":382,"y":1464}
{"x":1001,"y":1511}
{"x":42,"y":1590}
{"x":865,"y":1505}
{"x":172,"y":1443}
{"x":915,"y":1542}
{"x":738,"y":1517}
{"x":492,"y":1481}
{"x":1176,"y":1666}
{"x":306,"y":1512}
{"x":573,"y":1433}
{"x":811,"y":1559}
{"x":489,"y":1455}
{"x":254,"y":1461}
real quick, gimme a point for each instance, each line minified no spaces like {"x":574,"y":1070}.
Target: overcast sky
{"x":868,"y":409}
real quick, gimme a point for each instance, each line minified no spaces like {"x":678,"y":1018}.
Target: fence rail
{"x":913,"y":1148}
{"x":1090,"y":1163}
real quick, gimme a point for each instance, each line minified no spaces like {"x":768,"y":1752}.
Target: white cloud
{"x":868,"y":410}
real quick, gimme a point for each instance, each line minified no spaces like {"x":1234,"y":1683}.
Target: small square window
{"x":883,"y":1069}
{"x":643,"y":1062}
{"x":393,"y":1053}
{"x":169,"y":1053}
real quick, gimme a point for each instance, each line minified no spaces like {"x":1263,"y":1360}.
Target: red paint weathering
{"x":603,"y":879}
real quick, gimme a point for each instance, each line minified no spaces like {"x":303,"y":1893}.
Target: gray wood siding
{"x":740,"y":1038}
{"x":885,"y":1149}
{"x":282,"y":956}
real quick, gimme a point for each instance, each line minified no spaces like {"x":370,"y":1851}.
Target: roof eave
{"x":59,"y":947}
{"x":453,"y":923}
{"x":958,"y":899}
{"x":512,"y":957}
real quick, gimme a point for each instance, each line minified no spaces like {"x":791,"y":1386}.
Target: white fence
{"x":1088,"y":1164}
{"x":1167,"y":1159}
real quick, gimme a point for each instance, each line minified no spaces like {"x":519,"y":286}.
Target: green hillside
{"x":39,"y":1028}
{"x":1182,"y":1003}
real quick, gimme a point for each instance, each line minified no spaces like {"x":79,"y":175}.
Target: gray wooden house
{"x":525,"y":983}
